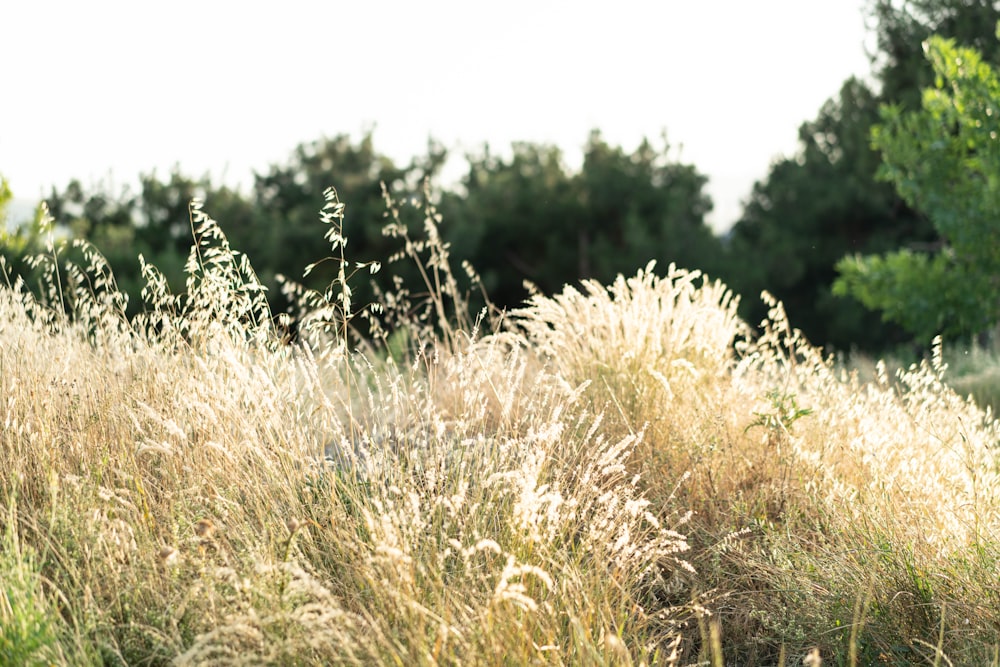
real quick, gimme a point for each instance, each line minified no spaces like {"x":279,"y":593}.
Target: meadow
{"x":617,"y":474}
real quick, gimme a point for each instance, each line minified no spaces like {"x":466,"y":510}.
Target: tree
{"x":945,"y":160}
{"x":277,"y":225}
{"x":13,"y":243}
{"x":26,"y":241}
{"x":513,"y":219}
{"x":153,"y":221}
{"x":825,"y":201}
{"x":642,"y":206}
{"x":812,"y":210}
{"x":5,"y":197}
{"x":284,"y":234}
{"x":901,"y":29}
{"x":530,"y":218}
{"x":525,"y":218}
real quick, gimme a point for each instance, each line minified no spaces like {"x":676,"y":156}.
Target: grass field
{"x":615,"y":475}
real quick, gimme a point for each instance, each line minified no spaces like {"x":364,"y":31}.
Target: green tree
{"x":825,"y":201}
{"x":524,"y":218}
{"x":277,"y":225}
{"x":5,"y":198}
{"x":530,"y":218}
{"x":901,"y":29}
{"x":24,"y":241}
{"x":642,"y":206}
{"x":812,"y":210}
{"x":13,"y":243}
{"x":162,"y":223}
{"x":511,"y":220}
{"x":152,"y":221}
{"x":284,"y":234}
{"x":945,"y":160}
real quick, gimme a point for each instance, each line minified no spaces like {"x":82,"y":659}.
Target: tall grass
{"x":971,"y":367}
{"x":612,"y":475}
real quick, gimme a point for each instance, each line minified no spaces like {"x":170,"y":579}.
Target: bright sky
{"x":119,"y":88}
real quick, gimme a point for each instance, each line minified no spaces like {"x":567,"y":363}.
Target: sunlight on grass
{"x":611,"y":475}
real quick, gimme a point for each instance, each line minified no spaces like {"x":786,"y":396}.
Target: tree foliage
{"x":276,"y":223}
{"x":524,"y":218}
{"x":826,"y":201}
{"x":17,"y":244}
{"x":813,"y":209}
{"x":5,"y":197}
{"x":902,"y":27}
{"x":531,"y":219}
{"x":945,"y":160}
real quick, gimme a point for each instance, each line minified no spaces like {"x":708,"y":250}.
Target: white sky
{"x":101,"y":88}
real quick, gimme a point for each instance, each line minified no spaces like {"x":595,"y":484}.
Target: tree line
{"x":814,"y":232}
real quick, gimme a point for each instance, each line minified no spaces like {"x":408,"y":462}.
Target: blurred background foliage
{"x":943,"y":159}
{"x":526,"y":217}
{"x":826,"y":202}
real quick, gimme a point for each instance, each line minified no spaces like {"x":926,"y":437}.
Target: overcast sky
{"x":105,"y":88}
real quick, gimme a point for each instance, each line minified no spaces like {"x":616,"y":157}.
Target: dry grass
{"x":857,"y":518}
{"x":614,"y":475}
